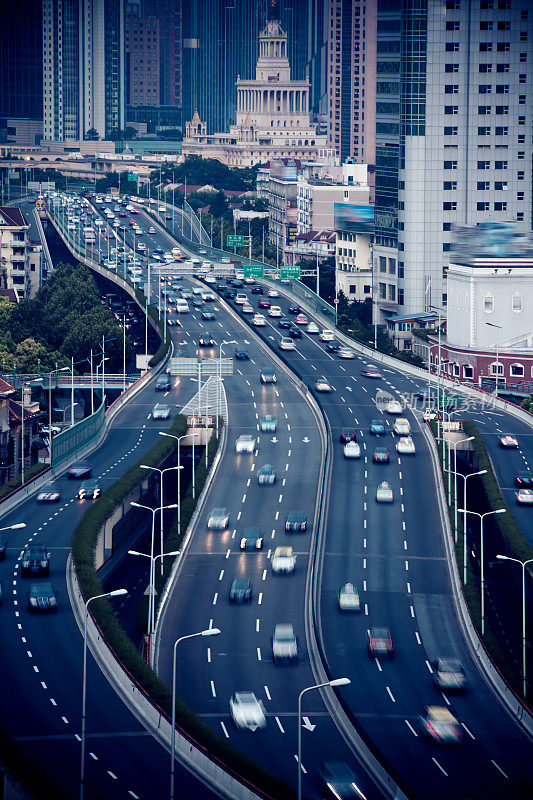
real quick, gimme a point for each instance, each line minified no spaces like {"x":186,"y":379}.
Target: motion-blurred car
{"x":294,"y":332}
{"x":266,"y":475}
{"x":252,"y":539}
{"x":257,"y":290}
{"x":352,"y":450}
{"x":285,"y":322}
{"x":524,"y":480}
{"x":348,"y":597}
{"x":80,"y":469}
{"x":393,"y":407}
{"x":449,"y":675}
{"x":384,"y":493}
{"x":283,"y":560}
{"x":245,"y":443}
{"x":35,"y":561}
{"x":312,"y":328}
{"x":284,"y":644}
{"x":206,"y":341}
{"x":401,"y":426}
{"x":326,"y":335}
{"x":240,"y":298}
{"x":371,"y":372}
{"x":273,"y":293}
{"x":507,"y":441}
{"x":440,"y":724}
{"x":380,"y":643}
{"x":89,"y":489}
{"x":294,"y":309}
{"x":377,"y":427}
{"x":241,"y":354}
{"x":333,"y":347}
{"x":240,"y":590}
{"x":161,"y":411}
{"x":321,"y":385}
{"x":50,"y":493}
{"x":286,"y":343}
{"x":209,"y":314}
{"x":162,"y":384}
{"x":247,"y":711}
{"x":381,"y":455}
{"x":524,"y":497}
{"x":42,"y":597}
{"x":405,"y":446}
{"x":347,"y":435}
{"x":339,"y":782}
{"x":268,"y":375}
{"x":268,"y":424}
{"x":218,"y":519}
{"x":264,"y":303}
{"x":346,"y":352}
{"x":295,"y":522}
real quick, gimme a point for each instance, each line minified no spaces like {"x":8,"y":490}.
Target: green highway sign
{"x":234,"y":241}
{"x":132,"y":176}
{"x":290,"y":273}
{"x":253,"y":271}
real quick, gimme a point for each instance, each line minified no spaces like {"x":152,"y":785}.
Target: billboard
{"x":356,"y":219}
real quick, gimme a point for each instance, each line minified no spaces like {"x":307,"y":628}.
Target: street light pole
{"x":336,"y":682}
{"x":178,"y":439}
{"x":207,"y":632}
{"x":161,"y":479}
{"x":114,"y":593}
{"x":523,"y":564}
{"x":61,"y":369}
{"x":454,"y":444}
{"x":219,"y":383}
{"x":492,"y":325}
{"x":465,"y":478}
{"x":482,"y":564}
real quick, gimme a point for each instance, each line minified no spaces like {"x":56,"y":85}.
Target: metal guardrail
{"x":79,"y":435}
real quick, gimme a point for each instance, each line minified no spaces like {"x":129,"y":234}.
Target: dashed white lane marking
{"x":215,"y":598}
{"x":221,"y":575}
{"x":417,"y":636}
{"x":499,"y":769}
{"x":226,"y":734}
{"x":439,"y":766}
{"x":93,"y":756}
{"x":213,"y":690}
{"x":468,"y":732}
{"x":267,"y":693}
{"x":430,"y":668}
{"x":410,"y":727}
{"x":112,"y":775}
{"x":259,"y":654}
{"x":260,"y":598}
{"x":280,"y":726}
{"x":208,"y":655}
{"x":390,"y":694}
{"x":257,"y":625}
{"x":65,"y":720}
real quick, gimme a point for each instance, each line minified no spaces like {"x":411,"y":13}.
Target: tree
{"x":92,"y":135}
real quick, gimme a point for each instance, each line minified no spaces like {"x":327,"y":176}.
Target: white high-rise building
{"x":453,"y":136}
{"x":83,"y":67}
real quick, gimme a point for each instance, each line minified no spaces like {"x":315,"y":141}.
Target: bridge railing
{"x":79,"y":435}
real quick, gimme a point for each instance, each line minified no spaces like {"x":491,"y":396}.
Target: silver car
{"x":284,"y":645}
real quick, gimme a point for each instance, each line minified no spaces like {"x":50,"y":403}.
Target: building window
{"x":452,"y":25}
{"x":502,"y":109}
{"x":451,"y":130}
{"x":449,"y":186}
{"x":392,"y":266}
{"x":500,"y":186}
{"x":468,"y":371}
{"x":382,"y":264}
{"x":450,"y":165}
{"x":517,"y":302}
{"x":496,"y":369}
{"x":483,"y":110}
{"x":450,"y":206}
{"x":500,"y":165}
{"x":485,"y":88}
{"x":383,"y":291}
{"x":517,"y":371}
{"x":353,"y":288}
{"x":483,"y":186}
{"x":452,"y":47}
{"x":451,"y":109}
{"x":452,"y":68}
{"x":400,"y":297}
{"x":483,"y":206}
{"x":488,"y":304}
{"x":501,"y":130}
{"x":483,"y":164}
{"x":451,"y":88}
{"x":483,"y":130}
{"x":485,"y":47}
{"x":500,"y":206}
{"x":392,"y":292}
{"x":485,"y":68}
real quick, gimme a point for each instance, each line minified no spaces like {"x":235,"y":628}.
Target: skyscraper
{"x":453,"y":135}
{"x":21,"y":61}
{"x":83,"y":67}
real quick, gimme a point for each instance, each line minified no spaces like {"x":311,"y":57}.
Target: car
{"x":218,"y":519}
{"x":259,"y":320}
{"x":197,"y":301}
{"x":339,"y":782}
{"x":301,"y":319}
{"x":162,"y":384}
{"x":241,"y":299}
{"x":507,"y":441}
{"x":263,"y":303}
{"x":347,"y":435}
{"x":333,"y":347}
{"x":352,"y":450}
{"x":273,"y":293}
{"x":285,"y":322}
{"x":380,"y":643}
{"x":268,"y":424}
{"x":257,"y":290}
{"x":295,"y":522}
{"x":440,"y":724}
{"x":206,"y":341}
{"x":283,"y":560}
{"x":80,"y":469}
{"x":245,"y":443}
{"x":151,"y":229}
{"x":208,"y":314}
{"x":348,"y":598}
{"x":394,"y":407}
{"x":35,"y":560}
{"x":449,"y":675}
{"x":268,"y":376}
{"x":247,"y":712}
{"x":294,"y":309}
{"x":294,"y":332}
{"x":252,"y":539}
{"x":287,"y":343}
{"x":90,"y":489}
{"x":312,"y":328}
{"x":42,"y":597}
{"x":210,"y":279}
{"x":429,"y":414}
{"x":241,"y":354}
{"x":377,"y":427}
{"x":405,"y":446}
{"x":371,"y":372}
{"x":321,"y":385}
{"x":401,"y":426}
{"x":274,"y":311}
{"x":225,"y":260}
{"x":346,"y":352}
{"x":381,"y":455}
{"x":524,"y":480}
{"x":240,"y":590}
{"x":50,"y":493}
{"x":284,"y":644}
{"x":524,"y":497}
{"x":326,"y":335}
{"x":246,"y":308}
{"x":384,"y":493}
{"x":266,"y":475}
{"x":161,"y":411}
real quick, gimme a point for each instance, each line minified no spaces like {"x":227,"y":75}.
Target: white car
{"x":312,"y":328}
{"x":393,"y":407}
{"x":401,"y":426}
{"x":258,"y":320}
{"x":283,"y":560}
{"x":346,"y":352}
{"x":245,"y":443}
{"x":141,"y":246}
{"x":284,"y":644}
{"x":161,"y":209}
{"x":274,"y":311}
{"x":405,"y":446}
{"x":241,"y":299}
{"x":161,"y":411}
{"x":273,"y":293}
{"x":225,"y":260}
{"x":349,"y":598}
{"x":326,"y":336}
{"x":384,"y":493}
{"x":524,"y":497}
{"x":247,"y":711}
{"x":429,"y":413}
{"x":352,"y":450}
{"x":210,"y":279}
{"x":218,"y":519}
{"x":151,"y":229}
{"x":440,"y":724}
{"x":287,"y":344}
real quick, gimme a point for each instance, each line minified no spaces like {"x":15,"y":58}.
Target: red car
{"x":380,"y":643}
{"x":264,"y":303}
{"x":507,"y":441}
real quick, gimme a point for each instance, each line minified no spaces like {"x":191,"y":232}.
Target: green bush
{"x":30,"y":473}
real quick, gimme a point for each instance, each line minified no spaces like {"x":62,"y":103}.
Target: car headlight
{"x":53,"y":601}
{"x":25,"y":564}
{"x":33,"y":601}
{"x":44,"y":563}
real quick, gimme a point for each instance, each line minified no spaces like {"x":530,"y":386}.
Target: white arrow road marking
{"x":307,"y":724}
